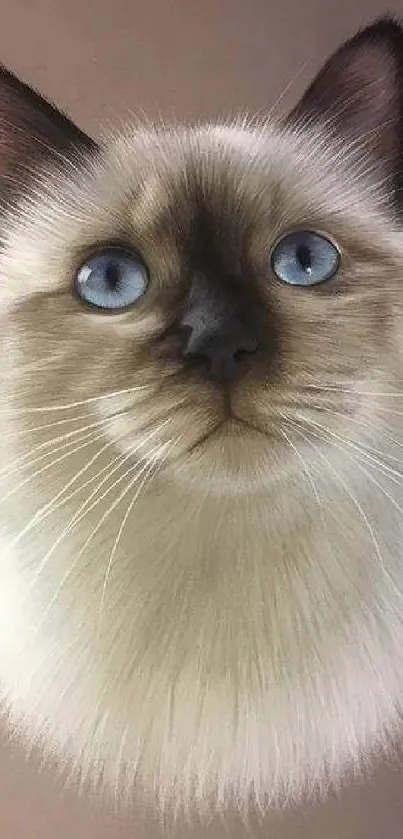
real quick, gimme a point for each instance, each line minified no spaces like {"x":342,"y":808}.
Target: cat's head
{"x":217,"y":280}
{"x":214,"y":316}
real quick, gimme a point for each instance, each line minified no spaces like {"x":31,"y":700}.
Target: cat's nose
{"x":219,"y":353}
{"x":216,"y":334}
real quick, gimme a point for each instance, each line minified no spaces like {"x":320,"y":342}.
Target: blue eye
{"x":112,"y":279}
{"x":304,"y":258}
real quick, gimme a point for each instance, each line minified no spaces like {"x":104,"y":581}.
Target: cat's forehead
{"x":238,"y":175}
{"x":149,"y":188}
{"x":176,"y":174}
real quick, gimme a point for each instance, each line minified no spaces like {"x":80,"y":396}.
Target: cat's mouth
{"x":234,"y":457}
{"x":230,"y":424}
{"x":204,"y":440}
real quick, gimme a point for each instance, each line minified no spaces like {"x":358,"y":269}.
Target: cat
{"x":201,"y":577}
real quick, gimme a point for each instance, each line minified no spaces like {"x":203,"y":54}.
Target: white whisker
{"x":116,"y":462}
{"x":69,"y":572}
{"x":364,"y":451}
{"x":311,"y":482}
{"x":286,"y":89}
{"x":75,"y":519}
{"x":133,"y":450}
{"x":85,"y":441}
{"x":153,"y":468}
{"x":358,"y":507}
{"x":363,"y":424}
{"x":25,"y":461}
{"x":110,"y":510}
{"x":306,"y":470}
{"x":355,"y":391}
{"x":391,"y":411}
{"x":67,"y":406}
{"x":84,"y":510}
{"x":358,"y":458}
{"x":27,"y":431}
{"x":52,"y":506}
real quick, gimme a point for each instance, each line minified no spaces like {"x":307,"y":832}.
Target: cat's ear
{"x":358,"y":94}
{"x":31,"y":130}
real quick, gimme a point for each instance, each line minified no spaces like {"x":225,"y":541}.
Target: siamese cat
{"x":201,"y":441}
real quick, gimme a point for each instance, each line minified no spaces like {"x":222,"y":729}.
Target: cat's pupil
{"x":113,"y":276}
{"x":304,"y":258}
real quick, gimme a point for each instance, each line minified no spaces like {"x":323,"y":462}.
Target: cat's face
{"x":201,"y":352}
{"x":198,"y":212}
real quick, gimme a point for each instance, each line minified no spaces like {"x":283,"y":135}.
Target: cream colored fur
{"x":215,"y":621}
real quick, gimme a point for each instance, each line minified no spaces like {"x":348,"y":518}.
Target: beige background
{"x":184,"y":59}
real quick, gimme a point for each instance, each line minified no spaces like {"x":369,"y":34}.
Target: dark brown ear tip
{"x":32,"y":130}
{"x":384,"y":26}
{"x":385,"y":30}
{"x":357,"y":97}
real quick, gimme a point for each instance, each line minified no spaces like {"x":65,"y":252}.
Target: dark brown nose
{"x":217,"y":333}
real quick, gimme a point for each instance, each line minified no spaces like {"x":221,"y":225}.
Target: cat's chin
{"x":233,"y":459}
